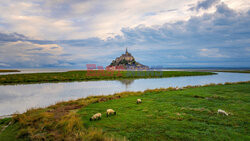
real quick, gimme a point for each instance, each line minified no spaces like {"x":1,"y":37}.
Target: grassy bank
{"x":164,"y":114}
{"x":86,"y":76}
{"x":2,"y":71}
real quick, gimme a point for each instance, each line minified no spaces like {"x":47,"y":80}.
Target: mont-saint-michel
{"x":111,"y":70}
{"x":128,"y":62}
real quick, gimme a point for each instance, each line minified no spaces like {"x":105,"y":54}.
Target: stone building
{"x":126,"y":61}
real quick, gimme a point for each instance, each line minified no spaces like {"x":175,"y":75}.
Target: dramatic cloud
{"x":12,"y":37}
{"x":23,"y":54}
{"x":206,"y":4}
{"x":74,"y":33}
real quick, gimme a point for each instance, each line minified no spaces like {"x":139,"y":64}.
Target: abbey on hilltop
{"x":126,"y":61}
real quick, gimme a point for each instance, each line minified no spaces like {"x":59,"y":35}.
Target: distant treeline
{"x":9,"y":71}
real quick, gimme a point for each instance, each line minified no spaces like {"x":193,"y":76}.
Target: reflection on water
{"x":126,"y":82}
{"x":22,"y":97}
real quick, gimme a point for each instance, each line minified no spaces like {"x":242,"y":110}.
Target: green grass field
{"x":85,"y":76}
{"x":164,"y":114}
{"x":189,"y":114}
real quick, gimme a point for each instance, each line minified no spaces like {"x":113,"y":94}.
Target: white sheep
{"x":96,"y":116}
{"x":138,"y":101}
{"x":110,"y":111}
{"x":222,"y":112}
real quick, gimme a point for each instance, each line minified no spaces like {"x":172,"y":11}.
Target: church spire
{"x":126,"y":50}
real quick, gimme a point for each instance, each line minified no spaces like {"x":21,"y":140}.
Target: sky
{"x":167,"y":33}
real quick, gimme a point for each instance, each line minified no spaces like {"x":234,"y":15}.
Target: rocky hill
{"x":126,"y":61}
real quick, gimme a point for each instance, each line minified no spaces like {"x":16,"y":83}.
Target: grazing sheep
{"x":96,"y":116}
{"x":138,"y":101}
{"x":222,"y":112}
{"x":110,"y":111}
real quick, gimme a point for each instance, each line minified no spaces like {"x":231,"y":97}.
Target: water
{"x":22,"y":97}
{"x":23,"y":71}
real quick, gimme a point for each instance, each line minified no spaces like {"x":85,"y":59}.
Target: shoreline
{"x":50,"y":93}
{"x":125,"y":92}
{"x":71,"y":76}
{"x":78,"y":111}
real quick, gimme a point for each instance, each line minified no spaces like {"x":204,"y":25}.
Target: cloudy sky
{"x":73,"y":33}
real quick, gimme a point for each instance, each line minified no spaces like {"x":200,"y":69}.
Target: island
{"x":126,"y":61}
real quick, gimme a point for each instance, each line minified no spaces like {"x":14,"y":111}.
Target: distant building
{"x":126,"y":61}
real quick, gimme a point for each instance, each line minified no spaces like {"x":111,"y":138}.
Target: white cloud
{"x":214,"y":52}
{"x":4,"y":65}
{"x":62,"y":19}
{"x":239,"y":5}
{"x":26,"y":54}
{"x":165,"y":29}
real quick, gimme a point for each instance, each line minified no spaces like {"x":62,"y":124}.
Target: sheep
{"x":222,"y":112}
{"x":110,"y":111}
{"x":96,"y":116}
{"x":138,"y":101}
